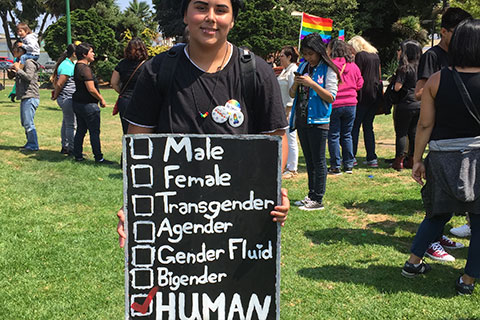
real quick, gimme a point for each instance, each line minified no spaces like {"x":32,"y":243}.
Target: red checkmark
{"x":143,"y":308}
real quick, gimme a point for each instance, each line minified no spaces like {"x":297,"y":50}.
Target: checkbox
{"x":142,"y":175}
{"x":141,"y":148}
{"x":140,"y":298}
{"x":141,"y":278}
{"x":144,"y":231}
{"x":143,"y":256}
{"x":142,"y":205}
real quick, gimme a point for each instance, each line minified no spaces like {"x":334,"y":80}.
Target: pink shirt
{"x":352,"y":81}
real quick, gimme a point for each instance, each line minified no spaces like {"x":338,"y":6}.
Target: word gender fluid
{"x":201,"y":242}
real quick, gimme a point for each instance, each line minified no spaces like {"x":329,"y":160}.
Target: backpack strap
{"x":248,"y":76}
{"x":167,"y":70}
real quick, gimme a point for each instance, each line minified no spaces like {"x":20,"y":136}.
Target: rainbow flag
{"x":322,"y":26}
{"x":341,"y":35}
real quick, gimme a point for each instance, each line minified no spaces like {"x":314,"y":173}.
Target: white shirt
{"x":285,"y":80}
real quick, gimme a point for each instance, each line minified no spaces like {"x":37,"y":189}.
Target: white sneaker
{"x":299,"y":203}
{"x":462,"y":231}
{"x":312,"y":205}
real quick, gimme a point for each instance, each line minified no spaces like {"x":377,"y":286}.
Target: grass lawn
{"x":59,"y":257}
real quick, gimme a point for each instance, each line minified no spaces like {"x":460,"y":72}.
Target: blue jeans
{"x":364,"y":117}
{"x":26,"y":56}
{"x":68,"y":123}
{"x":429,"y":230}
{"x":313,"y":141}
{"x":88,"y":118}
{"x":28,"y":107}
{"x":340,"y":133}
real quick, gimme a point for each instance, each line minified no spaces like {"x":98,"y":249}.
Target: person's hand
{"x":418,"y":172}
{"x":305,"y":80}
{"x":16,"y":66}
{"x":19,"y":44}
{"x":122,"y":236}
{"x":103,"y":104}
{"x":280,"y":212}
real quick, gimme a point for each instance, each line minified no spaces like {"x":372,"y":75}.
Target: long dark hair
{"x":411,"y":50}
{"x":68,"y":53}
{"x":464,"y":48}
{"x":340,"y":49}
{"x":314,"y":42}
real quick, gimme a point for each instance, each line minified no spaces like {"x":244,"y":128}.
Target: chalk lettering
{"x":204,"y":308}
{"x":166,"y":278}
{"x":208,"y":153}
{"x":257,"y":253}
{"x":177,"y":231}
{"x":182,"y":257}
{"x":182,"y":181}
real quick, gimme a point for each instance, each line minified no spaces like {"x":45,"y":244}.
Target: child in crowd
{"x":29,"y":43}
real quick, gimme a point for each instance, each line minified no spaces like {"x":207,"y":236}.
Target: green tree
{"x":471,"y":6}
{"x":169,"y":17}
{"x":87,"y":26}
{"x":265,"y":26}
{"x":140,"y":9}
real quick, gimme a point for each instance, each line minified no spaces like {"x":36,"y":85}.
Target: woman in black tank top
{"x":451,"y":169}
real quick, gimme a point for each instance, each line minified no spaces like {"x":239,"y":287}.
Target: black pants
{"x":88,"y":118}
{"x":405,"y":122}
{"x":123,"y":102}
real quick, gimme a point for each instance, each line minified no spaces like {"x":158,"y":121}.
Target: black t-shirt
{"x":125,"y":68}
{"x":452,"y":119}
{"x":369,"y":65}
{"x":194,"y":91}
{"x":408,"y":78}
{"x":81,"y":74}
{"x":432,"y":61}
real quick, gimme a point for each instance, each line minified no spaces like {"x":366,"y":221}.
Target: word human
{"x":202,"y":307}
{"x":212,"y":209}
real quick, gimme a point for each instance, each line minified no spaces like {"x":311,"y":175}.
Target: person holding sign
{"x":203,"y":88}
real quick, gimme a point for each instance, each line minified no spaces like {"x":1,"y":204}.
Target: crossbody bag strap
{"x":131,"y":76}
{"x":467,"y":100}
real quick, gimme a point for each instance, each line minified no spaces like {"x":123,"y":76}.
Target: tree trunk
{"x":6,"y":28}
{"x":40,"y":31}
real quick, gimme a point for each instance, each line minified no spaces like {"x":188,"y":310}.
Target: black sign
{"x":201,"y":242}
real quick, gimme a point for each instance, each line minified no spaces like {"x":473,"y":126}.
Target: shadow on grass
{"x":387,"y":279}
{"x":359,"y":237}
{"x":116,"y":175}
{"x":390,"y":227}
{"x":400,"y":207}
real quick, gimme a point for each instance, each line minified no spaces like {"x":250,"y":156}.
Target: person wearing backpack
{"x":208,"y":86}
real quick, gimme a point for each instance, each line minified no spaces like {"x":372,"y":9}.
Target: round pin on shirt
{"x":220,"y":114}
{"x":236,"y":119}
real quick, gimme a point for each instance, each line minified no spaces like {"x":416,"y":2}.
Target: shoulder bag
{"x":115,"y":107}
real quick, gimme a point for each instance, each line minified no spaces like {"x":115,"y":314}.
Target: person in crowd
{"x":29,"y":42}
{"x":125,"y":75}
{"x":315,"y":88}
{"x":64,"y":87}
{"x":436,"y":57}
{"x":85,"y":104}
{"x":432,"y":61}
{"x":450,"y":123}
{"x":26,"y":83}
{"x":368,"y":61}
{"x":407,"y":111}
{"x":343,"y":108}
{"x":205,"y":79}
{"x":288,"y":60}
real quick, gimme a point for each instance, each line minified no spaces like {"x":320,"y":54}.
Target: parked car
{"x":6,"y":59}
{"x":49,"y":64}
{"x":4,"y":65}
